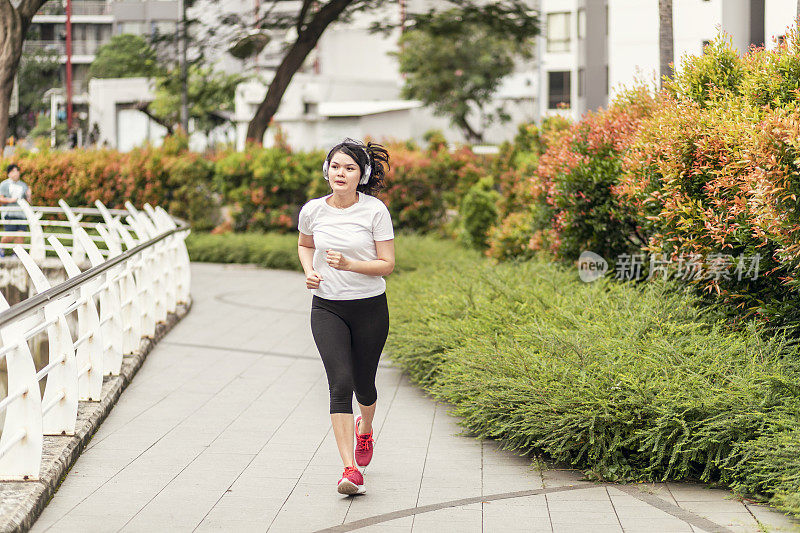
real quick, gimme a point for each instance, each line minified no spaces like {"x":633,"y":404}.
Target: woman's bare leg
{"x":367,"y":415}
{"x":343,"y":431}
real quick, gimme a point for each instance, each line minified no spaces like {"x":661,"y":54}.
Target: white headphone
{"x":367,"y":168}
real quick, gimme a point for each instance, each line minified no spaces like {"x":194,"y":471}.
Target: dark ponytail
{"x":379,"y":160}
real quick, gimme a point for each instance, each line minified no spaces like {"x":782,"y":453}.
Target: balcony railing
{"x":78,"y":47}
{"x":78,"y":8}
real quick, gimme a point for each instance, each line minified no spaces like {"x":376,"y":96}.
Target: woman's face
{"x":343,"y":173}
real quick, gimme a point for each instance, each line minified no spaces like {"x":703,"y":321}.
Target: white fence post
{"x":110,"y":322}
{"x":167,"y":260}
{"x":60,"y":400}
{"x":21,"y":442}
{"x":89,"y":349}
{"x":144,"y":283}
{"x":77,"y":250}
{"x":35,"y":229}
{"x":157,"y":261}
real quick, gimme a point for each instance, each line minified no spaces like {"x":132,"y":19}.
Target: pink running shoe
{"x":352,"y":482}
{"x":364,"y":446}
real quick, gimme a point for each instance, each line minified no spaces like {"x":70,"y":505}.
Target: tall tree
{"x":666,"y":49}
{"x":15,"y":19}
{"x":125,"y":56}
{"x":454,"y":60}
{"x":311,"y":22}
{"x":308,"y":23}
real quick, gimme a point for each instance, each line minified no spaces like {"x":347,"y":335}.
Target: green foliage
{"x":41,"y":132}
{"x":479,"y":212}
{"x":279,"y":250}
{"x":170,"y":176}
{"x":210,"y":95}
{"x":422,"y":186}
{"x":38,"y":72}
{"x":269,"y":250}
{"x":267,"y":186}
{"x":125,"y":56}
{"x":718,"y":178}
{"x":454,"y":61}
{"x":705,"y":78}
{"x":570,"y":197}
{"x":627,"y":382}
{"x":772,"y":77}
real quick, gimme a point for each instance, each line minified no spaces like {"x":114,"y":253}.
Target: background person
{"x":346,"y":245}
{"x":11,"y":190}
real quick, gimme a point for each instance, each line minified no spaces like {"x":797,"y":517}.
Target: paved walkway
{"x":226,"y":428}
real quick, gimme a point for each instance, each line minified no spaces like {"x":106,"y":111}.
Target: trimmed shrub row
{"x":260,"y":189}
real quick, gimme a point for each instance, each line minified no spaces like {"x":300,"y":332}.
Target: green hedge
{"x":275,"y":250}
{"x":269,"y":250}
{"x":627,"y":382}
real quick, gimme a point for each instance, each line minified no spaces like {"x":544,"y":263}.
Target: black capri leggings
{"x":350,"y":335}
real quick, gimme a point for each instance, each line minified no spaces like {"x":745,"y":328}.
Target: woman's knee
{"x":368,"y":396}
{"x":341,"y":398}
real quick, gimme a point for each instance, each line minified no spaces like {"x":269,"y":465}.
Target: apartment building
{"x":93,"y":24}
{"x":592,"y":49}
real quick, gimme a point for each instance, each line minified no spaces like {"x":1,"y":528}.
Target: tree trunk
{"x":10,"y":53}
{"x":14,"y":24}
{"x":666,"y":52}
{"x":468,"y":131}
{"x":292,"y":61}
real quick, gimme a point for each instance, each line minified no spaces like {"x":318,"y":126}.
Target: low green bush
{"x":279,"y":250}
{"x":269,"y":250}
{"x":629,"y":382}
{"x":479,"y":213}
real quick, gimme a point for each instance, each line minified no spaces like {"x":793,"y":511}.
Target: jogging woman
{"x":346,"y":245}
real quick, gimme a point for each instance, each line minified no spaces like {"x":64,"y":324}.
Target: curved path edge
{"x":21,"y":502}
{"x":673,"y":510}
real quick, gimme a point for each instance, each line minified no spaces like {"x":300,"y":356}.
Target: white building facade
{"x":591,"y":50}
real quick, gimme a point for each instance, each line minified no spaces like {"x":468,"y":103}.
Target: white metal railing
{"x":139,"y":273}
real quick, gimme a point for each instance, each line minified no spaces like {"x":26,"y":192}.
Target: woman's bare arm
{"x":305,"y":251}
{"x":383,"y":266}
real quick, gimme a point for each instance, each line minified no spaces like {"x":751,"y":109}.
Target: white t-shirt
{"x":353,"y":232}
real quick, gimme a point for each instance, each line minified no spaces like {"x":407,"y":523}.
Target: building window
{"x":135,"y":28}
{"x":559,"y":89}
{"x":581,"y":82}
{"x":581,"y":24}
{"x":558,"y":34}
{"x":164,"y":27}
{"x":608,"y":82}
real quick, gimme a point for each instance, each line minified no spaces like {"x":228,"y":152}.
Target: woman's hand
{"x":312,"y":280}
{"x":337,"y":260}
